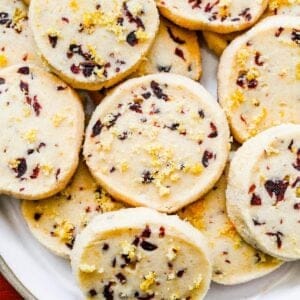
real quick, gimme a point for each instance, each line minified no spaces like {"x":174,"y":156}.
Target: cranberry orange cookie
{"x":222,"y":16}
{"x":42,"y":123}
{"x":16,"y":39}
{"x":93,"y":44}
{"x":233,"y":260}
{"x":139,"y":253}
{"x":160,"y":141}
{"x":56,"y":221}
{"x":175,"y":50}
{"x":259,"y":77}
{"x":263,"y":198}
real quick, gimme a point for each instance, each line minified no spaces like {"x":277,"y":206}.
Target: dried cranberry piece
{"x":4,"y":18}
{"x":207,"y":156}
{"x":278,"y":236}
{"x":147,"y":177}
{"x":296,"y":165}
{"x":296,"y":36}
{"x":24,"y":87}
{"x":37,"y":216}
{"x":180,"y":273}
{"x":173,"y":126}
{"x":21,"y":168}
{"x":179,"y":53}
{"x":87,"y":68}
{"x":297,"y":206}
{"x":157,"y":91}
{"x":201,"y":114}
{"x":255,"y":200}
{"x":123,"y":136}
{"x":92,"y":293}
{"x":36,"y":106}
{"x":146,"y":232}
{"x":162,"y":232}
{"x":258,"y":223}
{"x":53,"y":40}
{"x":75,"y":69}
{"x":121,"y":277}
{"x":214,"y":132}
{"x":165,"y":69}
{"x":105,"y":247}
{"x":251,"y":189}
{"x":277,"y":188}
{"x":257,"y":59}
{"x":139,"y":23}
{"x":24,"y":70}
{"x":136,"y":107}
{"x":146,"y":95}
{"x":195,"y":3}
{"x":146,"y":297}
{"x":35,"y":172}
{"x":2,"y":80}
{"x":132,"y":39}
{"x":108,"y":293}
{"x":176,"y":39}
{"x":148,"y":246}
{"x":279,"y":31}
{"x":97,"y":128}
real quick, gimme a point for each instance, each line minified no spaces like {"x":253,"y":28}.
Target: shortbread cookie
{"x":42,"y":123}
{"x":233,"y":260}
{"x":139,"y":253}
{"x":222,"y":16}
{"x":159,"y":141}
{"x":263,"y":198}
{"x":175,"y":50}
{"x":56,"y":221}
{"x":93,"y":45}
{"x":16,"y":39}
{"x":259,"y":77}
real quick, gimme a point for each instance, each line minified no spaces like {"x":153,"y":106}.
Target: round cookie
{"x":16,"y":39}
{"x":42,"y":124}
{"x":259,"y":77}
{"x":56,"y":221}
{"x":233,"y":260}
{"x":160,"y":141}
{"x":263,"y":191}
{"x":92,"y":45}
{"x":139,"y":253}
{"x":175,"y":50}
{"x":222,"y":16}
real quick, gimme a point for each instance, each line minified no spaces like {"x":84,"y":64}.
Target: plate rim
{"x":11,"y":277}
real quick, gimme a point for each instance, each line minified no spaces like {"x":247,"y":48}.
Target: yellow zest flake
{"x":85,"y":268}
{"x":255,"y":102}
{"x":236,"y":99}
{"x":298,"y":192}
{"x":253,"y":128}
{"x":19,"y":15}
{"x":252,"y":74}
{"x":3,"y":61}
{"x":74,"y":5}
{"x":129,"y":250}
{"x":275,"y":4}
{"x":95,"y":56}
{"x":47,"y":169}
{"x":57,"y":120}
{"x":14,"y":163}
{"x":298,"y":71}
{"x":271,"y":151}
{"x":197,"y":283}
{"x":242,"y":56}
{"x":141,"y":35}
{"x":174,"y":177}
{"x":174,"y":297}
{"x":64,"y":231}
{"x":30,"y":136}
{"x":163,"y":191}
{"x":196,"y":169}
{"x":124,"y":166}
{"x":53,"y":32}
{"x":224,"y":8}
{"x":172,"y":253}
{"x":149,"y":281}
{"x":26,"y":112}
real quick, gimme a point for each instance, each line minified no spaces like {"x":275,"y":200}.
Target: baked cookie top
{"x":159,"y":141}
{"x":259,"y":77}
{"x":221,"y":16}
{"x":263,"y":194}
{"x":90,"y":44}
{"x":233,"y":260}
{"x":141,"y":254}
{"x":57,"y":221}
{"x":41,"y":124}
{"x":16,"y":39}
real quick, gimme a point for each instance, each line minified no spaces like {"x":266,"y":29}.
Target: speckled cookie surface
{"x":56,"y":221}
{"x":222,"y":16}
{"x":16,"y":39}
{"x":259,"y":77}
{"x":233,"y":260}
{"x":90,"y":44}
{"x":41,"y":124}
{"x":175,"y":50}
{"x":263,"y":198}
{"x":159,"y":141}
{"x":284,"y":7}
{"x":141,"y":254}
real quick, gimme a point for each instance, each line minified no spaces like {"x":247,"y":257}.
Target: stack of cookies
{"x":149,"y":196}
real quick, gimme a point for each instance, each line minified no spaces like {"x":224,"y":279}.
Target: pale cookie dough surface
{"x":159,"y":141}
{"x":57,"y":221}
{"x":90,"y":44}
{"x":263,"y":193}
{"x":141,"y":254}
{"x":284,"y":7}
{"x":175,"y":50}
{"x":16,"y":39}
{"x":41,"y":125}
{"x":233,"y":260}
{"x":222,"y":16}
{"x":259,"y":77}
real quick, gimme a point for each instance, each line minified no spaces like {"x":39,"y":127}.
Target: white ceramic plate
{"x":36,"y":273}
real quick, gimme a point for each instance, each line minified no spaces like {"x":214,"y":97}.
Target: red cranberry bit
{"x":279,"y":31}
{"x":164,"y":69}
{"x":296,"y":165}
{"x":36,"y":106}
{"x":278,"y":236}
{"x":21,"y":168}
{"x":173,"y":126}
{"x":123,"y":136}
{"x":195,"y":3}
{"x":201,"y":114}
{"x":246,"y":14}
{"x":176,"y":39}
{"x":251,"y":189}
{"x":24,"y":70}
{"x":147,"y":177}
{"x":210,"y":6}
{"x":35,"y":172}
{"x":92,"y":293}
{"x":53,"y":40}
{"x":162,"y":232}
{"x":57,"y":173}
{"x":37,"y":216}
{"x":97,"y":128}
{"x":2,"y":80}
{"x":296,"y":182}
{"x":257,"y":223}
{"x":296,"y":36}
{"x":277,"y":188}
{"x":146,"y":95}
{"x":75,"y":69}
{"x":4,"y":18}
{"x":297,"y":206}
{"x":255,"y":200}
{"x":207,"y":156}
{"x":180,"y":273}
{"x":66,"y":20}
{"x":148,"y":246}
{"x":214,"y":132}
{"x":136,"y":107}
{"x":147,"y":232}
{"x":179,"y":53}
{"x":158,"y":91}
{"x":105,"y":247}
{"x":139,"y":23}
{"x":61,"y":88}
{"x":257,"y":59}
{"x":121,"y":277}
{"x":24,"y":87}
{"x":132,"y":39}
{"x":108,"y":292}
